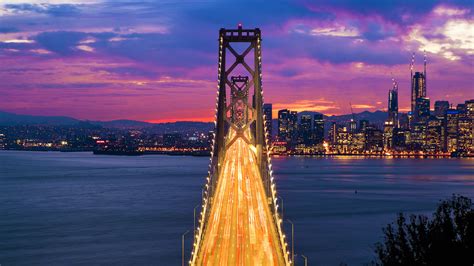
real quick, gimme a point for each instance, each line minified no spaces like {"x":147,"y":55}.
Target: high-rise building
{"x":422,"y":109}
{"x":373,"y":139}
{"x":388,"y":135}
{"x":440,"y":108}
{"x":305,"y":131}
{"x":401,"y":139}
{"x":418,"y":136}
{"x":393,"y":104}
{"x":403,"y":120}
{"x":434,"y":137}
{"x":452,"y":117}
{"x":352,"y":126}
{"x":343,"y":141}
{"x":293,"y":127}
{"x":267,"y":111}
{"x":465,"y":134}
{"x":333,"y":133}
{"x":418,"y":89}
{"x":283,"y":124}
{"x":318,"y":128}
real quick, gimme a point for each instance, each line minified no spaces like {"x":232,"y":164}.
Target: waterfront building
{"x":343,"y":141}
{"x":373,"y":139}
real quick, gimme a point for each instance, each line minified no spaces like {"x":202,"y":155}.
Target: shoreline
{"x":206,"y":154}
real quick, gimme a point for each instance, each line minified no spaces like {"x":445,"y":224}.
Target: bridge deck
{"x":240,"y":230}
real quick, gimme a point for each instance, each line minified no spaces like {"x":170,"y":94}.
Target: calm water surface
{"x":77,"y":208}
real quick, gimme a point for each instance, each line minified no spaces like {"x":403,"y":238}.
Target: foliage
{"x":446,"y":239}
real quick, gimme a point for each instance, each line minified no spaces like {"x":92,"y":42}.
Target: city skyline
{"x":318,"y":57}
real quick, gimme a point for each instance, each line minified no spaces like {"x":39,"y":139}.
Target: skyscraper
{"x":305,"y":131}
{"x":418,"y":84}
{"x":452,"y":117}
{"x":293,"y":127}
{"x":318,"y":128}
{"x":283,"y":124}
{"x":388,"y":135}
{"x":393,"y":104}
{"x":267,"y":111}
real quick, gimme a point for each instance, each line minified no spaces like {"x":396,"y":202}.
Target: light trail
{"x":240,"y":229}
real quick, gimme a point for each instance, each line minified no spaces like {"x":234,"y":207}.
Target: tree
{"x":446,"y":239}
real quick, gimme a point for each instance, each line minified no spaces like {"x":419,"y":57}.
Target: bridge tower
{"x":239,"y":115}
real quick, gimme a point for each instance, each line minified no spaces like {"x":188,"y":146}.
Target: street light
{"x":281,"y":200}
{"x":194,"y":232}
{"x":292,"y":241}
{"x":305,"y":260}
{"x":182,"y":247}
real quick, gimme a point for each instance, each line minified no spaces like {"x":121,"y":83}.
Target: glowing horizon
{"x":153,"y":61}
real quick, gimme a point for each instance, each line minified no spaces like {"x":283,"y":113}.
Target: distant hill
{"x":15,"y":119}
{"x":8,"y":119}
{"x":11,"y":119}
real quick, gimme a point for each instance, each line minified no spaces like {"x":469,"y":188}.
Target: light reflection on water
{"x":77,"y":208}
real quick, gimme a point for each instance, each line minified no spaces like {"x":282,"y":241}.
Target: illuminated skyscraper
{"x":318,"y":128}
{"x":393,"y":104}
{"x":305,"y":132}
{"x":293,"y":127}
{"x":465,"y":134}
{"x":418,"y":85}
{"x":388,"y":135}
{"x":434,"y":138}
{"x":452,"y":117}
{"x":283,"y":124}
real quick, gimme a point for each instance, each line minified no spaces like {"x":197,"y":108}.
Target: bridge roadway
{"x":240,"y":229}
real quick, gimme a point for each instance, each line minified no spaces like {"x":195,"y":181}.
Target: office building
{"x":318,"y":128}
{"x":283,"y":124}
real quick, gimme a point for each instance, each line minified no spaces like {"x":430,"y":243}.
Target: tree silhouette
{"x":446,"y":239}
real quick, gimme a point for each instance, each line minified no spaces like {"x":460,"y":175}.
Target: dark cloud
{"x":61,"y":42}
{"x":59,"y":10}
{"x":8,"y":29}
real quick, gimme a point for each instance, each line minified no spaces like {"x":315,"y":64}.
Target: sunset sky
{"x":157,"y":60}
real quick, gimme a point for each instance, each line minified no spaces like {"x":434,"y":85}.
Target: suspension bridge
{"x":239,"y":222}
